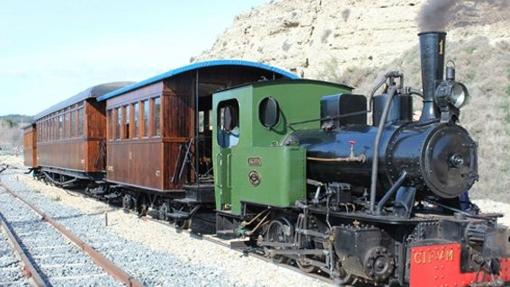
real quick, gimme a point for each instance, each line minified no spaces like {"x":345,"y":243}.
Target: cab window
{"x":228,"y":123}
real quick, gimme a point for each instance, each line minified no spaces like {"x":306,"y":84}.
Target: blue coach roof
{"x":197,"y":66}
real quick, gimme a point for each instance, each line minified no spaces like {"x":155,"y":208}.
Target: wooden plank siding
{"x":95,"y":136}
{"x":80,"y":144}
{"x":30,"y":146}
{"x":150,"y":162}
{"x":137,"y":160}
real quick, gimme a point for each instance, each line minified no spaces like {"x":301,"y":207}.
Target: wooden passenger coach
{"x":70,"y":135}
{"x":30,"y":146}
{"x":158,"y":130}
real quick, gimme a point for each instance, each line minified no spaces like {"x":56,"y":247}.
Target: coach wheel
{"x":143,"y":208}
{"x":128,"y":202}
{"x":163,"y":211}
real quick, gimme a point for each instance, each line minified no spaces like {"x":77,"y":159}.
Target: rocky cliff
{"x":354,"y":41}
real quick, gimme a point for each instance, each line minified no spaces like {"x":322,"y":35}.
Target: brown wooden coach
{"x":158,"y":131}
{"x":30,"y":146}
{"x":70,"y":136}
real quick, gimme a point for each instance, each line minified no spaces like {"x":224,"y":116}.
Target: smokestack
{"x":432,"y":47}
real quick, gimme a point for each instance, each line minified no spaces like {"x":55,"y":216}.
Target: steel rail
{"x":222,"y":243}
{"x":98,"y":258}
{"x":29,"y":269}
{"x":252,"y":254}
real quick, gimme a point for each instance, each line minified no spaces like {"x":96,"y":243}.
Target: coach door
{"x":228,"y":138}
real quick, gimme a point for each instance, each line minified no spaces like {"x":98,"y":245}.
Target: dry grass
{"x":485,"y":68}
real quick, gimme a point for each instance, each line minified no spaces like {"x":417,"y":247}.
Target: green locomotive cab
{"x":250,"y":122}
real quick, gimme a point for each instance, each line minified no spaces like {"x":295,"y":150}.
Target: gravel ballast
{"x":10,"y":266}
{"x":153,"y":253}
{"x":61,"y":262}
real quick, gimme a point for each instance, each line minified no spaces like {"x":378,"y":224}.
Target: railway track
{"x":49,"y":253}
{"x":209,"y":238}
{"x":226,"y":244}
{"x":215,"y":240}
{"x":10,"y":265}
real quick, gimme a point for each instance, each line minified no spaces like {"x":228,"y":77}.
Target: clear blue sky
{"x":51,"y":50}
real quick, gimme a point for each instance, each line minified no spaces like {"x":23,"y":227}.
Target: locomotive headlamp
{"x":451,"y":93}
{"x":459,"y":95}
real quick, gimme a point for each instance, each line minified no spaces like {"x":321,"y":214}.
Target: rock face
{"x":304,"y":35}
{"x":354,"y":41}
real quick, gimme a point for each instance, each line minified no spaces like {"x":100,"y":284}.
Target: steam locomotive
{"x":300,"y":175}
{"x":384,"y":203}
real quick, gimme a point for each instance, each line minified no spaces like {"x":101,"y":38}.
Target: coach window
{"x":72,"y":123}
{"x":54,"y":128}
{"x":50,"y":129}
{"x":109,"y":122}
{"x":49,"y":126}
{"x":157,"y":116}
{"x":60,"y":126}
{"x":66,"y":125}
{"x":228,"y":123}
{"x":80,"y":121}
{"x":136,"y":111}
{"x":145,"y":119}
{"x":75,"y":123}
{"x":118,"y":122}
{"x":127,"y":115}
{"x":122,"y":123}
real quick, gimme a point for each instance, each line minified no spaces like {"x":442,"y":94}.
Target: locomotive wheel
{"x":341,"y":277}
{"x":281,"y":231}
{"x":305,"y":267}
{"x":183,"y":224}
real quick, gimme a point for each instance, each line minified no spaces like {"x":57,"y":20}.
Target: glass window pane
{"x":66,"y":125}
{"x":127,"y":111}
{"x":136,"y":110}
{"x":80,"y":122}
{"x":118,"y":120}
{"x":201,"y":118}
{"x":71,"y":122}
{"x":109,"y":125}
{"x":60,"y":127}
{"x":146,"y":110}
{"x":228,"y":131}
{"x":210,"y":120}
{"x":157,"y":119}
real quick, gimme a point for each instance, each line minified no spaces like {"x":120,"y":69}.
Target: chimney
{"x":432,"y":47}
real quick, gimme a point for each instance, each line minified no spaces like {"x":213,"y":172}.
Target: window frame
{"x":157,"y":121}
{"x":223,"y":136}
